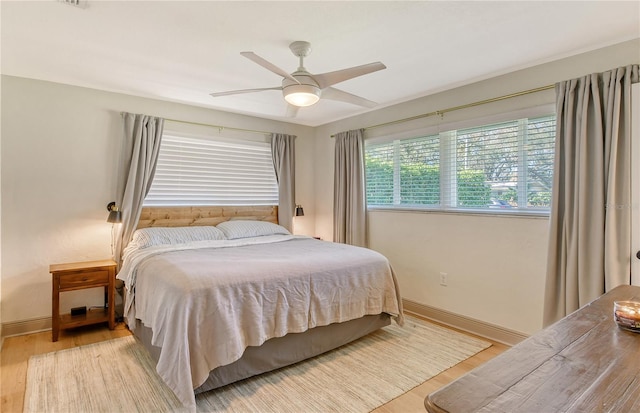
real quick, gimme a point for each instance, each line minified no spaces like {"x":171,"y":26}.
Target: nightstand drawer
{"x":75,"y":280}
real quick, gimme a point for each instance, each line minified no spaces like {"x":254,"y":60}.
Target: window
{"x":206,"y":171}
{"x":501,"y":166}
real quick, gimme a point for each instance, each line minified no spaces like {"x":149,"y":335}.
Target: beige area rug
{"x":119,"y":376}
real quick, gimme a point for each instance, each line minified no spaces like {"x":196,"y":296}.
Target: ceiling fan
{"x":302,"y":88}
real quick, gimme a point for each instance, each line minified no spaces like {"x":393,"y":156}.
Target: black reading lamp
{"x":115,"y":216}
{"x":299,"y":211}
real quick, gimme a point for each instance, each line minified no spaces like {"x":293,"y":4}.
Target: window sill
{"x":501,"y":213}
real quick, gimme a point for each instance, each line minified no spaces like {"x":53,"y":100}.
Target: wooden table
{"x":582,"y":363}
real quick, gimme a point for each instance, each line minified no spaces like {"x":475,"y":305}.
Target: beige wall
{"x":59,"y":153}
{"x":496,"y":265}
{"x":635,"y":186}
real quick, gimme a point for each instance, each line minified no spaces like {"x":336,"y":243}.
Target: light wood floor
{"x":17,"y":350}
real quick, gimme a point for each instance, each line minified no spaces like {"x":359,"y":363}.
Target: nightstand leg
{"x":111,"y":298}
{"x":55,"y":309}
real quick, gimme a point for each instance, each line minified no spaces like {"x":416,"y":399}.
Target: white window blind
{"x":501,"y":166}
{"x":404,"y":172}
{"x":206,"y":171}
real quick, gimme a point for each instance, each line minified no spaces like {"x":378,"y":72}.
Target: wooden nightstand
{"x":78,"y":276}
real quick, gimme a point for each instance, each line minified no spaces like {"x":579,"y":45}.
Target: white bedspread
{"x":206,"y":302}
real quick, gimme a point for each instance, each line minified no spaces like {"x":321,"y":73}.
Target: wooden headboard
{"x":203,"y":215}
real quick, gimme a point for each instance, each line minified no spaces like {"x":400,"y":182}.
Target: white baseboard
{"x":18,"y":328}
{"x":477,"y":327}
{"x":470,"y":325}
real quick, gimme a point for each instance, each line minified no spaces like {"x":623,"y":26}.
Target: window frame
{"x":448,"y":198}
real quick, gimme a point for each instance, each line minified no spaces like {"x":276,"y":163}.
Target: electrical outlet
{"x":443,"y":279}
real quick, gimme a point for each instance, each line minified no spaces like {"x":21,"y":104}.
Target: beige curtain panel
{"x":140,"y":148}
{"x":590,"y":236}
{"x":283,"y":152}
{"x":349,"y":197}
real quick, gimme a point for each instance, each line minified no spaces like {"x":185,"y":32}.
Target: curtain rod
{"x":465,"y":106}
{"x":219,"y":127}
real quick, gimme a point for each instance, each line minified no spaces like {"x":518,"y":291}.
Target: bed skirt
{"x":281,"y":351}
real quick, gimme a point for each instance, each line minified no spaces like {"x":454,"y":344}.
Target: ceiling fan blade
{"x":292,"y":111}
{"x":332,"y":93}
{"x":331,"y":78}
{"x":268,"y":65}
{"x":237,"y":92}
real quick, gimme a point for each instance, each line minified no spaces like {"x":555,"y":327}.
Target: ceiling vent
{"x":78,"y":3}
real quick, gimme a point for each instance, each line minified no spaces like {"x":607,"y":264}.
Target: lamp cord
{"x":113,"y":239}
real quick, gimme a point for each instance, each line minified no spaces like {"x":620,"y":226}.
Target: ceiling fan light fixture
{"x":301,"y":95}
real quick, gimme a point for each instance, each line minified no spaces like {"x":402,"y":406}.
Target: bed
{"x":221,"y":294}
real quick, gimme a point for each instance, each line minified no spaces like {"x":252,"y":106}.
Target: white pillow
{"x":147,"y":237}
{"x":245,"y":229}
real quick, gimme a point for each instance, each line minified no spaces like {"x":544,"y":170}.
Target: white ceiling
{"x":182,"y":51}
